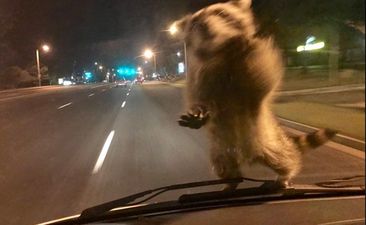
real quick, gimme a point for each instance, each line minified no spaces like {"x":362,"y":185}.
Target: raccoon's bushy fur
{"x":232,"y":76}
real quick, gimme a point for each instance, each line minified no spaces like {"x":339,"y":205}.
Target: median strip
{"x":103,"y":153}
{"x":63,"y":106}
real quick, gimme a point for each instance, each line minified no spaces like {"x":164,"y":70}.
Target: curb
{"x":339,"y":138}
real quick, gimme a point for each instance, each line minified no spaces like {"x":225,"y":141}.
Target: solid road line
{"x":63,"y":106}
{"x":103,"y":153}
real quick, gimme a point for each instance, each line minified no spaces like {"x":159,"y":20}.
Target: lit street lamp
{"x":173,"y":30}
{"x":45,"y":48}
{"x":148,"y":54}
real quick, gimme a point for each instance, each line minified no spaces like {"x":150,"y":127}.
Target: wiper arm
{"x":268,"y":187}
{"x":278,"y":193}
{"x":106,"y":207}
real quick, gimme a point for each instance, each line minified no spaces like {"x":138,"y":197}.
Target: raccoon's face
{"x":214,"y":28}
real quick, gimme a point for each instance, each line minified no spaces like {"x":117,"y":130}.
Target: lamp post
{"x":173,"y":30}
{"x":148,"y":54}
{"x":46,"y":49}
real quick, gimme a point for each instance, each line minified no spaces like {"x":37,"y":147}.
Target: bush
{"x":15,"y":77}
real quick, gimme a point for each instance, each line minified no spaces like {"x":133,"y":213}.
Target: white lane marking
{"x":103,"y":90}
{"x":344,"y":221}
{"x":123,"y":104}
{"x":103,"y":153}
{"x":63,"y":106}
{"x":128,"y":94}
{"x":92,"y":94}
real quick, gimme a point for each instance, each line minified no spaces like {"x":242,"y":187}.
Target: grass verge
{"x":347,"y":121}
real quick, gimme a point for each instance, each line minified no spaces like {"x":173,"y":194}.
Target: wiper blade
{"x":268,"y":187}
{"x":106,"y":207}
{"x":265,"y":192}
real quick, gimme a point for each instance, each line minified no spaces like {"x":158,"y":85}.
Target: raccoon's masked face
{"x":213,"y":29}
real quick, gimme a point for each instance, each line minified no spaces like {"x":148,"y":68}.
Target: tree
{"x":14,"y":77}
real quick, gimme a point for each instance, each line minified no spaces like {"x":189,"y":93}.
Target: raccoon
{"x":232,"y":76}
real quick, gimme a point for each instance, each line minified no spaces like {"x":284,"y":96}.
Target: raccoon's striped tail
{"x":313,"y":140}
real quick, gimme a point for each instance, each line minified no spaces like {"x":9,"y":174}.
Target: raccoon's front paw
{"x":195,"y":119}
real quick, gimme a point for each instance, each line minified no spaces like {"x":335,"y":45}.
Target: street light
{"x":148,"y":54}
{"x":173,"y":30}
{"x":101,"y":67}
{"x":96,"y":63}
{"x":45,"y":48}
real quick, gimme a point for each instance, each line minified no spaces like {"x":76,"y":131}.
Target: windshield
{"x":103,"y":99}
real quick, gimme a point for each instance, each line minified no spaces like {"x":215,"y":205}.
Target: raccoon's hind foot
{"x":276,"y":185}
{"x":230,"y":187}
{"x":195,"y":118}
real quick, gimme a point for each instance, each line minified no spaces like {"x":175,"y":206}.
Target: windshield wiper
{"x":267,"y":194}
{"x":266,"y":188}
{"x":103,"y":208}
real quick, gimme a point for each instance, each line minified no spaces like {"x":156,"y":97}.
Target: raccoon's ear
{"x":244,"y":4}
{"x":183,"y":23}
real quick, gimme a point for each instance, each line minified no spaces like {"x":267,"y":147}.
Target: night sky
{"x":115,"y":31}
{"x":83,"y":31}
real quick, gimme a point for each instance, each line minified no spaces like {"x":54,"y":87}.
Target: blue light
{"x":88,"y":75}
{"x":126,"y":71}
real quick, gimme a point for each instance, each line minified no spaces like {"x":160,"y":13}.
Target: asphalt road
{"x":56,"y":161}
